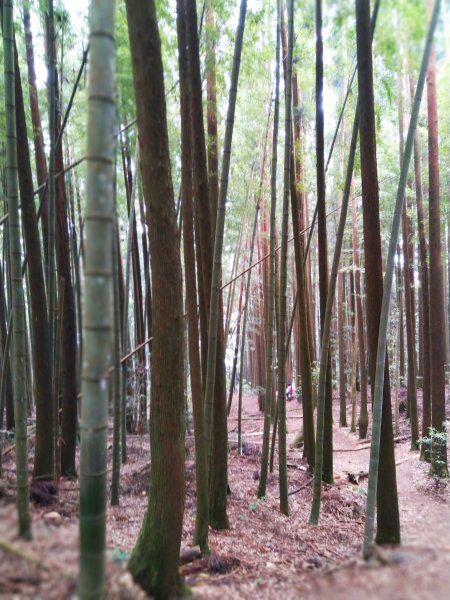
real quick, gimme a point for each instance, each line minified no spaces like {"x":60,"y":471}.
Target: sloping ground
{"x":264,"y":554}
{"x":420,"y":568}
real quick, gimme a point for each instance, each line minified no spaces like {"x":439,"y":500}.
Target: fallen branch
{"x":301,"y":487}
{"x":8,"y":450}
{"x":11,"y":549}
{"x":352,"y":449}
{"x":355,"y":477}
{"x":401,"y":438}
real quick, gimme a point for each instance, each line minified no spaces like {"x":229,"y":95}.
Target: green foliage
{"x":433,"y":449}
{"x":315,"y":372}
{"x":253,"y":506}
{"x":119,"y":556}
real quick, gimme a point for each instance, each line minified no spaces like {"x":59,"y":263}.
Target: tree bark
{"x":202,"y":509}
{"x":154,"y":560}
{"x":17,"y":295}
{"x":322,"y":241}
{"x":388,"y":523}
{"x":45,"y":426}
{"x":436,"y":297}
{"x":363,"y":421}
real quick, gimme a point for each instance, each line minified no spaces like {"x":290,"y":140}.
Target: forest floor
{"x":264,"y":554}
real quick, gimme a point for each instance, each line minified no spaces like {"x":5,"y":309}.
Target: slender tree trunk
{"x":202,"y":512}
{"x":271,"y":284}
{"x":140,"y":380}
{"x":322,"y":243}
{"x":116,"y":380}
{"x":244,"y":326}
{"x":353,"y":350}
{"x":436,"y":297}
{"x":380,"y":371}
{"x":236,"y":348}
{"x":69,"y":331}
{"x":51,"y":208}
{"x":363,"y":416}
{"x":305,"y":361}
{"x":44,"y":450}
{"x":38,"y":136}
{"x":341,"y":349}
{"x":409,"y":299}
{"x":302,"y":263}
{"x":211,"y":110}
{"x":6,"y":389}
{"x":281,"y":325}
{"x":215,"y":407}
{"x":18,"y":304}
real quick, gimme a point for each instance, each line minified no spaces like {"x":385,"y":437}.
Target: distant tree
{"x":215,"y":405}
{"x":271,"y":284}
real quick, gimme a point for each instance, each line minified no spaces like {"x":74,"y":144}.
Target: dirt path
{"x":420,"y":568}
{"x":264,"y":554}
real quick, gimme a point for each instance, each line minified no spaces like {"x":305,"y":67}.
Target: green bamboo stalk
{"x":387,"y":288}
{"x":17,"y":296}
{"x":281,"y":341}
{"x":220,"y":227}
{"x":117,"y":398}
{"x":98,"y":305}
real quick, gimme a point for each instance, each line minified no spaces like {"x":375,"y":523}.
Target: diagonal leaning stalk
{"x":387,"y":287}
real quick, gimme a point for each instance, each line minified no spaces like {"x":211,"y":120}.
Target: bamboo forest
{"x":224,"y":299}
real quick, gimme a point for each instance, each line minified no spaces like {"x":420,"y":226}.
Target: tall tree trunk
{"x":18,"y":303}
{"x":380,"y":370}
{"x":44,"y":450}
{"x":436,"y":297}
{"x":38,"y":135}
{"x":215,"y":407}
{"x":363,"y":416}
{"x":51,"y":204}
{"x":244,"y":326}
{"x":271,"y":284}
{"x":281,"y":325}
{"x":6,"y":389}
{"x":353,"y":350}
{"x":322,"y":242}
{"x":211,"y":109}
{"x":154,"y":560}
{"x":236,"y":348}
{"x":98,"y":303}
{"x":202,"y":509}
{"x":140,"y":379}
{"x":341,"y":349}
{"x":68,"y":356}
{"x":388,"y":523}
{"x":409,"y":298}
